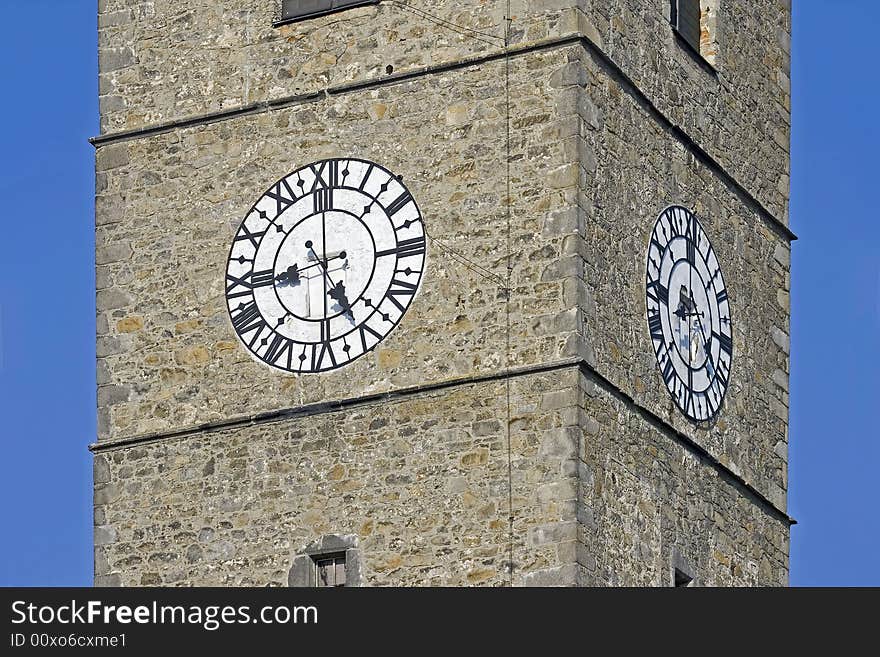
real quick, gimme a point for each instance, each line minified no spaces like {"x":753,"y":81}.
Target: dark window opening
{"x":296,"y":10}
{"x":330,"y":570}
{"x":686,"y":20}
{"x":696,"y":24}
{"x":682,"y":579}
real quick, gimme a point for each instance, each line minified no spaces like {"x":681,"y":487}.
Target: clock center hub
{"x":329,"y":249}
{"x":689,"y":314}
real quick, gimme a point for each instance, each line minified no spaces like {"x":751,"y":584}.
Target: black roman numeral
{"x":326,"y":176}
{"x":725,"y":341}
{"x":674,"y":222}
{"x":721,"y":373}
{"x":711,"y":402}
{"x":333,"y":171}
{"x":323,"y":199}
{"x":319,"y":176}
{"x":410,"y":247}
{"x":366,"y":177}
{"x":262,"y":278}
{"x":277,"y":348}
{"x":246,"y":234}
{"x":404,"y":289}
{"x":691,"y":252}
{"x":655,"y":324}
{"x":364,"y":329}
{"x":397,"y":204}
{"x":323,"y":188}
{"x":668,"y":371}
{"x":658,"y":292}
{"x":247,"y":319}
{"x":656,"y":243}
{"x":235,"y":281}
{"x":326,"y":350}
{"x":283,"y":195}
{"x":249,"y":281}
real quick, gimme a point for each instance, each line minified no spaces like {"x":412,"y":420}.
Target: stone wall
{"x":647,"y":503}
{"x":632,"y":167}
{"x":168,"y":207}
{"x":166,"y":59}
{"x":601,"y":496}
{"x":740,"y":110}
{"x":405,"y":452}
{"x":162,"y":60}
{"x":421,"y":481}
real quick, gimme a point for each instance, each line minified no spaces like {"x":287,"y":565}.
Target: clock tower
{"x":442,"y":293}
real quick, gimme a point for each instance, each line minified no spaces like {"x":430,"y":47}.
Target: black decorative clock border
{"x":713,"y":417}
{"x":267,"y":192}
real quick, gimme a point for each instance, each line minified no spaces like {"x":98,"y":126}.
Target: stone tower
{"x":514,"y":428}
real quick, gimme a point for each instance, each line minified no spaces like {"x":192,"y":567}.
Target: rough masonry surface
{"x":610,"y":120}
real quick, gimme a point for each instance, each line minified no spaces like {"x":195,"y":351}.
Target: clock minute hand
{"x":337,"y":290}
{"x":291,"y":275}
{"x":337,"y":293}
{"x":706,"y":348}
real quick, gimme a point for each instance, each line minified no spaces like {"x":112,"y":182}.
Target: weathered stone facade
{"x":535,"y":426}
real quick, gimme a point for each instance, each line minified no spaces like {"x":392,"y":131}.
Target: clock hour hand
{"x":290,"y":276}
{"x":686,"y":305}
{"x":321,"y":261}
{"x":337,"y":290}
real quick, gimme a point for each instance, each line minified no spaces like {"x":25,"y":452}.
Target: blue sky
{"x":835,"y":386}
{"x":47,"y":397}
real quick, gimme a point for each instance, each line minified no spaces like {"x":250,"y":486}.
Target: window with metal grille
{"x":330,"y":570}
{"x":296,"y":10}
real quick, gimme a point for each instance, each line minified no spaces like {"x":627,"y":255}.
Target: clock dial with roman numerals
{"x":324,"y":265}
{"x":688,"y":313}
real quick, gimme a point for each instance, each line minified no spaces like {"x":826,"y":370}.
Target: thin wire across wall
{"x":506,"y":282}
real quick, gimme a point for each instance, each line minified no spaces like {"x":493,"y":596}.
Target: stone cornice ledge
{"x":587,"y":370}
{"x":330,"y":406}
{"x":549,"y":44}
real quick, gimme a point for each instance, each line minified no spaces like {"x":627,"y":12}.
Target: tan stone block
{"x":377,"y":111}
{"x":478,"y":575}
{"x":130,"y":324}
{"x":188,"y":326}
{"x":388,"y":358}
{"x":476,"y":458}
{"x":456,"y":114}
{"x":192,"y":356}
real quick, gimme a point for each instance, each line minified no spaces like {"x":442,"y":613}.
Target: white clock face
{"x":324,"y":265}
{"x":688,"y":314}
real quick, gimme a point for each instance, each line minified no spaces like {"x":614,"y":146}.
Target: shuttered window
{"x":686,"y":19}
{"x":294,"y":10}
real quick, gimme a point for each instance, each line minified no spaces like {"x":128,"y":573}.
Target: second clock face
{"x":324,"y":265}
{"x":688,"y":314}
